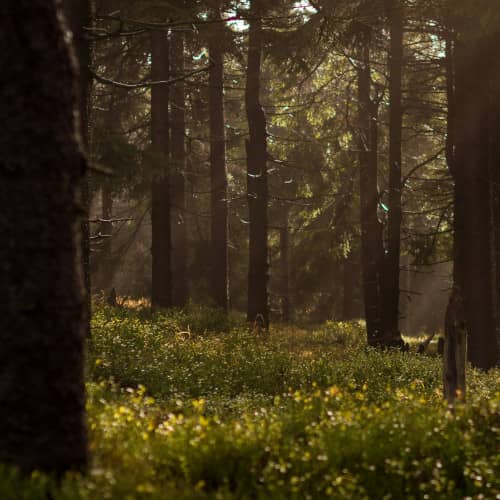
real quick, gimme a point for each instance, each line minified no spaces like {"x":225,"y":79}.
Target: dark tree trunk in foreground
{"x":371,"y":230}
{"x":79,"y":15}
{"x":42,"y":298}
{"x":474,"y":234}
{"x":161,"y":293}
{"x":391,"y":334}
{"x":257,"y":188}
{"x":178,"y":189}
{"x":218,"y":174}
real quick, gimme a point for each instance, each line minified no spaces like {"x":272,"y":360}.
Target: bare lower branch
{"x":140,"y":85}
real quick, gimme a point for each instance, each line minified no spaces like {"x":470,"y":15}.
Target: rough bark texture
{"x":42,"y":298}
{"x":177,"y":182}
{"x":390,"y":292}
{"x":371,"y":230}
{"x":474,"y":235}
{"x":257,"y":188}
{"x":161,"y":292}
{"x":78,"y":14}
{"x":218,"y":173}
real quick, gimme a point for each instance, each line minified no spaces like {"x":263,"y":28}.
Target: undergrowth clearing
{"x":192,"y":405}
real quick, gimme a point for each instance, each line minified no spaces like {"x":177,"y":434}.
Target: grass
{"x":191,"y":405}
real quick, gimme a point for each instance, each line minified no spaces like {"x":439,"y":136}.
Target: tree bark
{"x":391,"y":333}
{"x":257,"y":187}
{"x":178,"y":189}
{"x":218,"y":173}
{"x":494,"y":107}
{"x":103,"y":269}
{"x":371,"y":230}
{"x":79,"y":15}
{"x":351,"y":279}
{"x":285,"y":267}
{"x":451,"y":126}
{"x":161,"y":293}
{"x":42,"y":296}
{"x":455,"y":348}
{"x":106,"y":229}
{"x":474,"y":237}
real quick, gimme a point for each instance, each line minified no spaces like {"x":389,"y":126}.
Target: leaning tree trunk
{"x":391,"y":334}
{"x":371,"y":231}
{"x":161,"y":292}
{"x":218,"y":173}
{"x":474,"y":240}
{"x":257,"y":188}
{"x":42,"y":296}
{"x":79,"y":16}
{"x":178,"y":189}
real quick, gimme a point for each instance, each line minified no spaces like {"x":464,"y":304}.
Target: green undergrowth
{"x":193,"y":405}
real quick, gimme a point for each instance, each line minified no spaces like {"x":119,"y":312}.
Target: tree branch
{"x":132,"y":86}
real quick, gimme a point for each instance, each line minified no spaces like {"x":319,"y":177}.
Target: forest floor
{"x":192,"y":405}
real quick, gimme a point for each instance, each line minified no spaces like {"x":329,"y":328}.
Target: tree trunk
{"x":257,"y":188}
{"x":178,"y":189}
{"x":455,"y":348}
{"x":106,"y":229}
{"x":351,"y":280}
{"x":371,"y":230}
{"x":161,"y":292}
{"x":285,"y":267}
{"x":451,"y":126}
{"x":494,"y":107}
{"x":474,"y":238}
{"x":392,"y":336}
{"x":79,"y":15}
{"x":218,"y":174}
{"x":42,"y":296}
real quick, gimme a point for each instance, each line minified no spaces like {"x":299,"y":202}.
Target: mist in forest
{"x":424,"y":296}
{"x":249,"y":249}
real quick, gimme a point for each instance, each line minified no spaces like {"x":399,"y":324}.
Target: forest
{"x":249,"y":249}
